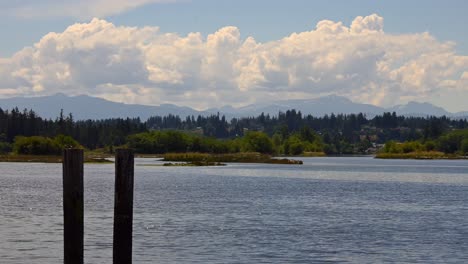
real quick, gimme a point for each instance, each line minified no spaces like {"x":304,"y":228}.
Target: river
{"x":329,"y":210}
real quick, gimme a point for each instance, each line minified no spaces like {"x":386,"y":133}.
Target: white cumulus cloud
{"x":145,"y":65}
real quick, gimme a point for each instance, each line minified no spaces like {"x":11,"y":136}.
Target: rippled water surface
{"x":347,"y":210}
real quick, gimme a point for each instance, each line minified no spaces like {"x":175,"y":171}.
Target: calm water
{"x":345,"y":210}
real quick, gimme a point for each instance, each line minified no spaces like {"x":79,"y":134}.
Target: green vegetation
{"x":43,"y":149}
{"x":243,"y":157}
{"x":288,"y":133}
{"x":185,"y":164}
{"x":257,"y":142}
{"x":453,"y":144}
{"x":37,"y":145}
{"x":313,"y":154}
{"x":30,"y":158}
{"x":160,"y":142}
{"x":96,"y":160}
{"x":46,"y":159}
{"x":415,"y":155}
{"x":304,"y":141}
{"x":5,"y":148}
{"x":194,"y":164}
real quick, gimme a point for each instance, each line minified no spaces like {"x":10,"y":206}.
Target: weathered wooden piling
{"x":73,"y":206}
{"x":123,"y":206}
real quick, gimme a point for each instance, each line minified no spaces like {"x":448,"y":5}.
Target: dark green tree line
{"x":291,"y":132}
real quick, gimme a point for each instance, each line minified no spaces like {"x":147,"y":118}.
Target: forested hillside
{"x":290,"y":131}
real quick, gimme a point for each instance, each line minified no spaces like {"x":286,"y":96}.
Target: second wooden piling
{"x":73,"y":217}
{"x":123,"y":206}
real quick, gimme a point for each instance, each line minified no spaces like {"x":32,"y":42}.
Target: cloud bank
{"x":145,"y":65}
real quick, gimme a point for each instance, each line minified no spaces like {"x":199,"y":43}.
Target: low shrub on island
{"x":451,"y":145}
{"x":43,"y":149}
{"x":37,"y":145}
{"x":242,"y":157}
{"x":193,"y":164}
{"x":170,"y":141}
{"x":415,"y":155}
{"x":5,"y":148}
{"x":47,"y":159}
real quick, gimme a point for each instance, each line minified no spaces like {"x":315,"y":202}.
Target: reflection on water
{"x":357,"y":210}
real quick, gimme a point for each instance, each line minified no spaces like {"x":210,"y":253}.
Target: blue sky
{"x":264,"y":19}
{"x":372,"y":51}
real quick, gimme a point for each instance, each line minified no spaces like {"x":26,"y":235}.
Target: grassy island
{"x":47,"y":159}
{"x":423,"y":155}
{"x":193,"y":164}
{"x":242,"y":157}
{"x":451,"y":145}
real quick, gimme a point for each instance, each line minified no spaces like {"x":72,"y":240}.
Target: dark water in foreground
{"x":345,"y":210}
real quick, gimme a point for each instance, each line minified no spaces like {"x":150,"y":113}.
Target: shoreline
{"x":420,"y":156}
{"x":49,"y":159}
{"x":105,"y":159}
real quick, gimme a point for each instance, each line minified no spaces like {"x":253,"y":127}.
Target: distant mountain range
{"x":86,"y":107}
{"x":337,"y":104}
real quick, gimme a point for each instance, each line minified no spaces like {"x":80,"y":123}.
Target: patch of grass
{"x":244,"y":157}
{"x":192,"y":159}
{"x":97,"y":160}
{"x":284,"y":161}
{"x":30,"y":158}
{"x":47,"y":159}
{"x":418,"y":155}
{"x":195,"y":164}
{"x":313,"y":154}
{"x":184,"y":164}
{"x":147,"y":156}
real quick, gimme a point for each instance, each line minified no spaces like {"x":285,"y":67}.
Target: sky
{"x":207,"y":53}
